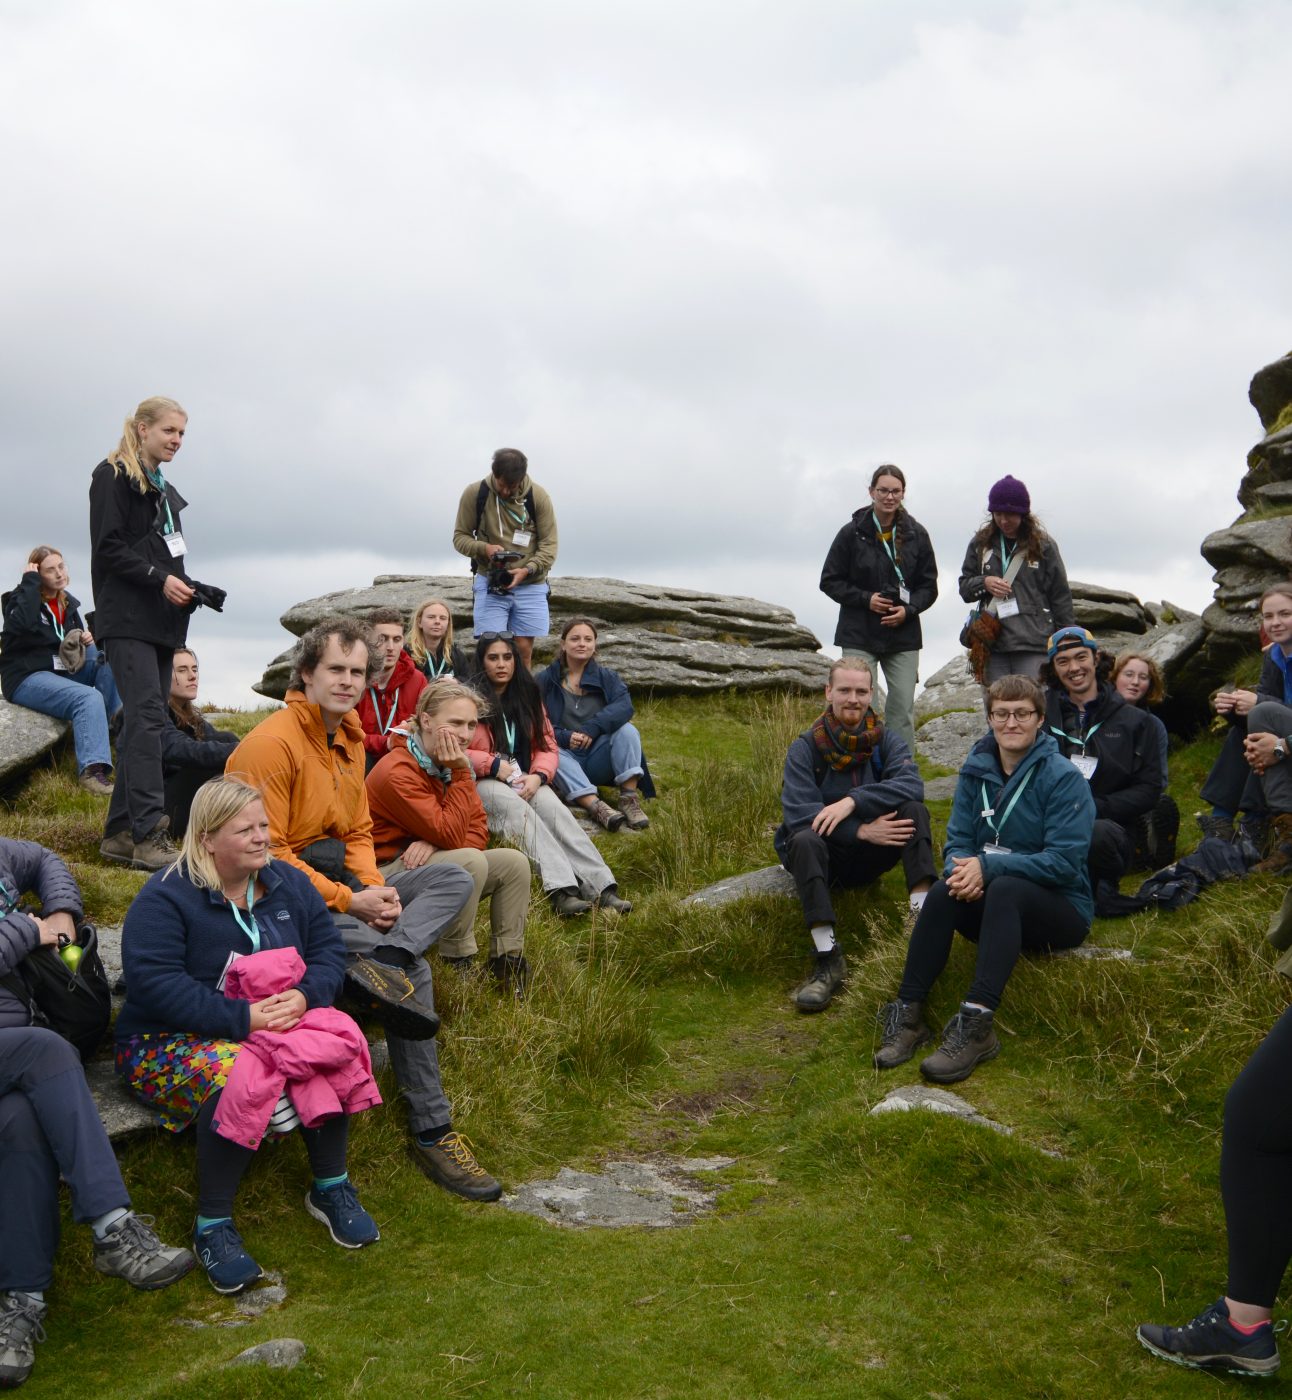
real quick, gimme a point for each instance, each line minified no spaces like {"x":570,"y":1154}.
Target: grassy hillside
{"x":903,"y":1255}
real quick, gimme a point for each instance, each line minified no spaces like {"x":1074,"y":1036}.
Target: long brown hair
{"x":38,"y":557}
{"x":184,"y":710}
{"x":1031,"y":534}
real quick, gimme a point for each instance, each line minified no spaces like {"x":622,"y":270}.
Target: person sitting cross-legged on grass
{"x":1015,"y":877}
{"x":50,"y":1127}
{"x":232,"y":964}
{"x":1236,"y":1333}
{"x":852,"y":800}
{"x":426,"y":810}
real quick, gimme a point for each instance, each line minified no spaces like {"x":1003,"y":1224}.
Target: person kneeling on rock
{"x":853,"y":805}
{"x":1015,"y":877}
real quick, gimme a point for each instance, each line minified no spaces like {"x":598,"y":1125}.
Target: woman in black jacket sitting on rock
{"x":193,"y":749}
{"x":49,"y":663}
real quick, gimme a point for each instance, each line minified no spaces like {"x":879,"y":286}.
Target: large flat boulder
{"x":1271,"y":390}
{"x":669,"y":640}
{"x":25,"y":738}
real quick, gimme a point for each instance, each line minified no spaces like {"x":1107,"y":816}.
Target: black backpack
{"x":78,"y":1005}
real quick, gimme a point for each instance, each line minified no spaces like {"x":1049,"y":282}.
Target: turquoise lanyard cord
{"x":438,"y":671}
{"x":1006,"y":554}
{"x":1082,"y":739}
{"x":509,"y":732}
{"x":53,"y":617}
{"x":987,"y":812}
{"x":252,"y":931}
{"x":888,"y":549}
{"x":384,"y":725}
{"x":10,"y":898}
{"x":159,"y":481}
{"x":517,"y":517}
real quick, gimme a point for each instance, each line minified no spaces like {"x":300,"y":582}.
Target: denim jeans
{"x":613,"y":758}
{"x":88,"y":698}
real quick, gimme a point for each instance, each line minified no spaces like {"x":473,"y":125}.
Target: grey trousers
{"x":1269,"y":717}
{"x":549,"y":835}
{"x":432,"y":896}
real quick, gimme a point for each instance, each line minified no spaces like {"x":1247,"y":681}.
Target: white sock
{"x":102,"y":1225}
{"x":917,"y":900}
{"x":36,"y":1295}
{"x":823,"y":938}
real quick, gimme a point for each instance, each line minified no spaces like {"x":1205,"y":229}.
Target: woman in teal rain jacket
{"x":1014,"y":878}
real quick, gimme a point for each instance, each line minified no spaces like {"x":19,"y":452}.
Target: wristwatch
{"x":1280,"y":749}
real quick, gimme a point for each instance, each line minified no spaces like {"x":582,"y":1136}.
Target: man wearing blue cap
{"x":1110,"y":742}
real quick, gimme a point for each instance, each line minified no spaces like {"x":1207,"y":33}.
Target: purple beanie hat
{"x":1009,"y":496}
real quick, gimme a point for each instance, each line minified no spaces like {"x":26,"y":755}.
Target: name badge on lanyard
{"x":1007,"y":607}
{"x":175,"y":543}
{"x":1085,"y":764}
{"x":994,"y":848}
{"x":904,"y":595}
{"x":522,"y":538}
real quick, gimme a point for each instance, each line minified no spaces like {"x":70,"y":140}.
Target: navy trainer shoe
{"x":338,"y":1208}
{"x":220,"y":1252}
{"x":1211,"y":1343}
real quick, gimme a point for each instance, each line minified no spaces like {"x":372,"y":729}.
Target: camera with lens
{"x":498,"y":580}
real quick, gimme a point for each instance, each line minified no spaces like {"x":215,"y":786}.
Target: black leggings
{"x":221,"y":1163}
{"x":1013,"y":914}
{"x":1256,"y":1170}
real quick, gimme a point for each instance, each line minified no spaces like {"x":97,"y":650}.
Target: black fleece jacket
{"x":1128,"y":779}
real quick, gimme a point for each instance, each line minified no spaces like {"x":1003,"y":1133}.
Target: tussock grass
{"x":900,"y":1255}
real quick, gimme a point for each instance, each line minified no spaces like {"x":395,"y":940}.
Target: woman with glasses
{"x":1014,"y":878}
{"x":1014,"y":568}
{"x":882,"y":573}
{"x":514,"y":755}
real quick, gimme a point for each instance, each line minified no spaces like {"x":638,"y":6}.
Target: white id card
{"x":58,"y":663}
{"x":904,"y":596}
{"x":1007,"y":607}
{"x":994,"y":848}
{"x":175,"y":543}
{"x":1085,"y":764}
{"x":522,"y":538}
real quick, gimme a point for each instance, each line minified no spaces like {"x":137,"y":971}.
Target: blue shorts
{"x":522,"y":612}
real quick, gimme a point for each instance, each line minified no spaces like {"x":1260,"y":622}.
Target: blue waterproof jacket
{"x":1048,"y":830}
{"x":616,"y":712}
{"x":809,"y":783}
{"x":176,"y":943}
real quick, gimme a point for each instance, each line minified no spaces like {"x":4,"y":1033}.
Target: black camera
{"x":498,"y":579}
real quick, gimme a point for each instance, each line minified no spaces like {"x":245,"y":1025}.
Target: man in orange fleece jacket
{"x":308,"y":762}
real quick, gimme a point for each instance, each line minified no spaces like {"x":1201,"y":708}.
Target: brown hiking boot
{"x":828,"y":973}
{"x":119,"y":848}
{"x":904,"y":1032}
{"x":1279,"y":860}
{"x":630,"y":804}
{"x":968,"y":1039}
{"x":451,"y":1163}
{"x":156,"y":851}
{"x":389,"y":994}
{"x":605,"y":815}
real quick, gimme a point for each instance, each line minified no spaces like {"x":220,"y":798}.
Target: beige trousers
{"x":501,"y":876}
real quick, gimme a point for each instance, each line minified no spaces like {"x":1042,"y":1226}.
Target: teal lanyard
{"x":509,"y":732}
{"x":1082,"y":739}
{"x":53,"y":617}
{"x":10,"y":898}
{"x":384,"y":724}
{"x":888,"y":548}
{"x":252,"y":930}
{"x":517,"y":517}
{"x":159,"y":481}
{"x":988,"y":814}
{"x":1006,"y":554}
{"x":437,"y":671}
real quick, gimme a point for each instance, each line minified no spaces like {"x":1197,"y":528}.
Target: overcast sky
{"x":707,"y":264}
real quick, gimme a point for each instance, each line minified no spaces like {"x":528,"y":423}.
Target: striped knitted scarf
{"x":842,"y":748}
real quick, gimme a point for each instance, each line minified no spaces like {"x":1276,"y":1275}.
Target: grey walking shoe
{"x":131,"y":1250}
{"x":605,"y":815}
{"x":609,"y":900}
{"x":97,"y":779}
{"x":20,"y":1330}
{"x":904,"y":1031}
{"x":1210,"y":1342}
{"x":568,"y":904}
{"x":968,"y":1039}
{"x":825,"y":979}
{"x":390,"y":996}
{"x":156,"y":851}
{"x":630,"y":804}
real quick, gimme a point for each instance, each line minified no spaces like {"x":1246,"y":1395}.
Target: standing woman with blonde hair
{"x":142,"y":598}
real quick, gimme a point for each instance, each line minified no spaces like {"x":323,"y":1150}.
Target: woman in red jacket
{"x":514,"y":756}
{"x":425,"y":810}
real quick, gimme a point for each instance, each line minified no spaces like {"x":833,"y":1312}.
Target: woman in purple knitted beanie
{"x":1037,"y":602}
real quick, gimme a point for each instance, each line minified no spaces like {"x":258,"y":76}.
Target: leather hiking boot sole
{"x":955,"y":1073}
{"x":387,"y":993}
